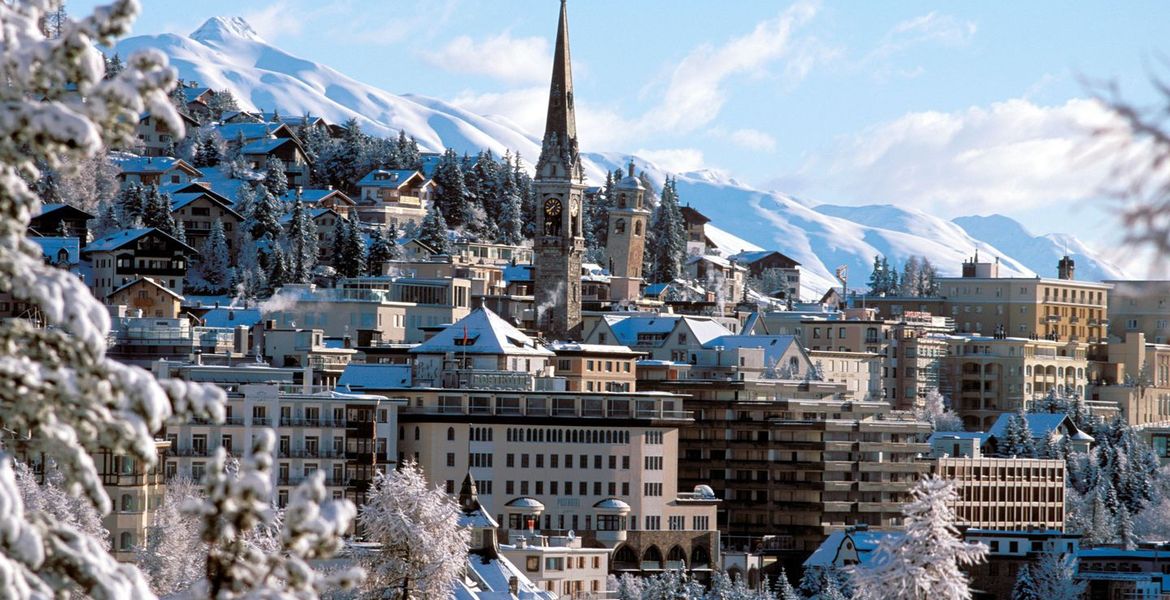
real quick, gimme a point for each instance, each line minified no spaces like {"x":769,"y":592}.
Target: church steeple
{"x":560,"y":209}
{"x":560,"y":107}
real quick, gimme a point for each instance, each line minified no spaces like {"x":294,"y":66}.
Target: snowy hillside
{"x":225,"y":53}
{"x":1040,"y":253}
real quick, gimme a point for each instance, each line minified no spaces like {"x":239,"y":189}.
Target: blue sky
{"x":953,"y":108}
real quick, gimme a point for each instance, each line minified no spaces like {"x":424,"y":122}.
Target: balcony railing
{"x":312,"y":422}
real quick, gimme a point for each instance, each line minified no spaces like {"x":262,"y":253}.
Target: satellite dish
{"x":572,"y":535}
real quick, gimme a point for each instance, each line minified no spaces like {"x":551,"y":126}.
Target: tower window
{"x":619,"y":226}
{"x":637,"y":228}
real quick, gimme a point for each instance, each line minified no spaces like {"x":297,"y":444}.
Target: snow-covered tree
{"x":302,"y":242}
{"x":784,"y":589}
{"x":433,"y":231}
{"x":911,"y":274}
{"x":279,"y":271}
{"x":626,"y":587}
{"x":349,"y":249}
{"x":235,"y":504}
{"x":382,"y":249}
{"x":670,"y":242}
{"x":935,"y":410}
{"x":57,"y":387}
{"x":1017,"y":438}
{"x":172,"y":555}
{"x":156,"y":211}
{"x":820,"y":583}
{"x":274,"y":178}
{"x":1051,"y":577}
{"x":451,"y":193}
{"x":47,"y":495}
{"x":925,"y":563}
{"x":250,"y":281}
{"x":423,"y":550}
{"x":212,"y":266}
{"x":262,"y":222}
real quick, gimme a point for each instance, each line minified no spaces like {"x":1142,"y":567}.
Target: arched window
{"x":416,"y":434}
{"x":637,"y":228}
{"x":700,"y":557}
{"x":625,"y":558}
{"x":653,"y":556}
{"x":676,"y":558}
{"x":450,"y":434}
{"x":622,"y":200}
{"x":619,"y":226}
{"x":127,"y":503}
{"x":126,"y":541}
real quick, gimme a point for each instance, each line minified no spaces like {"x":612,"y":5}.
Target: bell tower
{"x":626,"y":242}
{"x":560,"y":197}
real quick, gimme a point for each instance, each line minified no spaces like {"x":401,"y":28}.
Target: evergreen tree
{"x":222,"y":101}
{"x":302,"y":243}
{"x":114,"y":66}
{"x":911,"y":277}
{"x":279,"y":271}
{"x":877,"y":277}
{"x":596,"y":224}
{"x":212,"y":264}
{"x":784,"y":589}
{"x":1017,"y":438}
{"x":274,"y":178}
{"x":408,"y":154}
{"x":510,"y":220}
{"x":353,"y":249}
{"x":107,"y":221}
{"x":180,"y":232}
{"x":263,"y":220}
{"x":451,"y":195}
{"x":208,"y":152}
{"x":157,"y":211}
{"x":434,"y":231}
{"x":383,"y":248}
{"x":670,"y":247}
{"x":926,"y":561}
{"x":890,"y":281}
{"x":1025,"y":586}
{"x":928,"y":280}
{"x":1054,"y":577}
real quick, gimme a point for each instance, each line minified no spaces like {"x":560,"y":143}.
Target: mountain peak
{"x":222,"y":29}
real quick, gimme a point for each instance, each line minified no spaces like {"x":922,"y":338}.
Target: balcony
{"x":312,"y":422}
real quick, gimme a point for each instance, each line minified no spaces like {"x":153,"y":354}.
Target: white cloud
{"x":1004,"y":157}
{"x":932,"y":28}
{"x":696,"y":88}
{"x":525,"y":107}
{"x":753,"y":139}
{"x":673,"y":160}
{"x":276,"y":20}
{"x":513,"y":60}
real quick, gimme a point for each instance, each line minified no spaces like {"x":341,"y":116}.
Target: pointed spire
{"x":561,"y":119}
{"x":469,"y":495}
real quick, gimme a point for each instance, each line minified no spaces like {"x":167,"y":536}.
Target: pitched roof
{"x":314,"y":195}
{"x":191,"y":94}
{"x":183,"y":199}
{"x":229,"y":316}
{"x":774,"y":346}
{"x":1039,"y":425}
{"x":865,"y":542}
{"x":52,"y":246}
{"x":153,"y":164}
{"x":481,"y":332}
{"x":388,"y":178}
{"x":751,"y":256}
{"x":266,"y":145}
{"x":148,"y":281}
{"x":375,"y":376}
{"x":119,"y":239}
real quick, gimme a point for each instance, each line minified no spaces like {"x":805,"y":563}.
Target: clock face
{"x":552,"y":207}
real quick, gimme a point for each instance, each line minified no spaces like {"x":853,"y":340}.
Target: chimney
{"x":1066,"y":268}
{"x":514,"y":585}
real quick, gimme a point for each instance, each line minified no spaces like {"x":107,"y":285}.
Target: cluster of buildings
{"x":591,"y":424}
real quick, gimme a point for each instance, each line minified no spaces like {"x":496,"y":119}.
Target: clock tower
{"x":560,"y":198}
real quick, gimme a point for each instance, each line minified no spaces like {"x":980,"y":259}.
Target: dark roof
{"x":693,"y":217}
{"x":73,"y":211}
{"x":119,"y":239}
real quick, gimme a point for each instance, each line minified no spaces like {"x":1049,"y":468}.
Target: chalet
{"x":155,"y":170}
{"x":773,"y":268}
{"x":336,"y":200}
{"x":723,"y":278}
{"x":662,"y":337}
{"x":241,"y":133}
{"x":240,"y":116}
{"x":147,"y":295}
{"x":288,"y":150}
{"x":199,"y":102}
{"x":155,"y":138}
{"x":55,"y":216}
{"x":199,"y":187}
{"x":62,"y":252}
{"x":697,"y":243}
{"x":394,"y":197}
{"x":418,"y":250}
{"x":197,"y":211}
{"x":121,"y":257}
{"x":326,"y":220}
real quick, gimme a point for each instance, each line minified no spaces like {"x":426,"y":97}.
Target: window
{"x":532,"y":564}
{"x":554,"y":563}
{"x":676,"y":523}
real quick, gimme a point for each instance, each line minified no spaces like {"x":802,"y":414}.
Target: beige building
{"x":1006,"y":493}
{"x":595,"y":368}
{"x":1140,"y":306}
{"x":983,"y":303}
{"x":859,"y":371}
{"x":394,"y":198}
{"x":987,"y":376}
{"x":155,"y":138}
{"x":626,"y":241}
{"x":1133,"y":376}
{"x":198,"y":211}
{"x":148,"y":296}
{"x":125,"y":256}
{"x":135,"y":490}
{"x":559,"y":564}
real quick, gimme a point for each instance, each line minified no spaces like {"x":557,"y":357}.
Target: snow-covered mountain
{"x":225,"y":53}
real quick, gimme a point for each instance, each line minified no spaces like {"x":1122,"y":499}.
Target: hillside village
{"x":614,"y":394}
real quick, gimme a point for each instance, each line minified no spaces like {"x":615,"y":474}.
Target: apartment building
{"x":660,"y":336}
{"x":594,"y":367}
{"x":988,"y":376}
{"x":1143,"y":572}
{"x":395,"y":198}
{"x":124,"y":256}
{"x":1140,"y":306}
{"x":1006,"y":493}
{"x":793,"y":459}
{"x":1132,"y":376}
{"x":348,"y":436}
{"x":1063,"y":309}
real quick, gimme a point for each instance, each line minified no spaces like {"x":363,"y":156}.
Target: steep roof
{"x":864,"y":542}
{"x":184,"y":198}
{"x":266,"y":145}
{"x":153,"y":164}
{"x":147,"y":281}
{"x":314,"y":195}
{"x":191,"y":94}
{"x":54,"y":207}
{"x":481,"y":332}
{"x":1039,"y":425}
{"x":52,"y":246}
{"x":774,"y":346}
{"x":388,"y":178}
{"x":119,"y":239}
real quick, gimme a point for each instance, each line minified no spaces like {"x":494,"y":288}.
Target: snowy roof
{"x":313,"y":213}
{"x":705,"y":330}
{"x":387,"y":178}
{"x":481,"y":332}
{"x":863,"y":541}
{"x":526,"y":502}
{"x":313,"y":195}
{"x":129,"y":163}
{"x":119,"y":239}
{"x":774,"y":346}
{"x":568,"y":347}
{"x":627,"y":327}
{"x":375,"y":376}
{"x":148,"y":281}
{"x":52,"y":246}
{"x":184,"y":198}
{"x":716,"y":260}
{"x":629,"y":182}
{"x":266,"y":145}
{"x":231,"y":317}
{"x":250,"y":131}
{"x":956,"y":435}
{"x":751,"y":256}
{"x":489,"y":579}
{"x":612,"y":504}
{"x":193,"y":93}
{"x":56,"y":206}
{"x":1039,"y":425}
